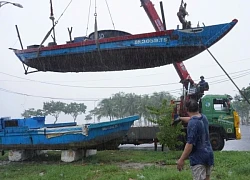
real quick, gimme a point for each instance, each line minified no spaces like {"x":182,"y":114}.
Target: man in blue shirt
{"x":202,"y":81}
{"x":198,"y":147}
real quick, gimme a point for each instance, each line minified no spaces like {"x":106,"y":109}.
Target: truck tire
{"x":216,"y":141}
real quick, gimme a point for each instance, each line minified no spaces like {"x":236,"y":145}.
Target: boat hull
{"x":60,"y":138}
{"x":126,"y":52}
{"x":125,"y":60}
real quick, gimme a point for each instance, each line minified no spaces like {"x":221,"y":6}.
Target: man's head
{"x":192,"y":106}
{"x":185,"y":4}
{"x":202,"y":77}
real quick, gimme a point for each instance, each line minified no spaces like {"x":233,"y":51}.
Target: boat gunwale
{"x":92,"y":42}
{"x":109,"y":40}
{"x":125,"y":120}
{"x":114,"y":122}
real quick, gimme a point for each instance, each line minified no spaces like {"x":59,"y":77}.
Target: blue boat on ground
{"x":34,"y":134}
{"x":122,"y":51}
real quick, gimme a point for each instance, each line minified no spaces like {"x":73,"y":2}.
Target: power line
{"x":75,"y":81}
{"x":119,"y":78}
{"x":46,"y":97}
{"x":95,"y":99}
{"x":67,"y":99}
{"x":208,"y":66}
{"x":113,"y":87}
{"x":226,"y":79}
{"x":235,"y":77}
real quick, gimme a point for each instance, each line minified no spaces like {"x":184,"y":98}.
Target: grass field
{"x":122,"y":165}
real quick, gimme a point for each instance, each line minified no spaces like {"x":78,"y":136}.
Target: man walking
{"x":198,"y":147}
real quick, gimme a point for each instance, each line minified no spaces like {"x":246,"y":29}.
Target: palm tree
{"x":121,"y":105}
{"x":105,"y":109}
{"x":132,"y":104}
{"x":144,"y":114}
{"x":119,"y":102}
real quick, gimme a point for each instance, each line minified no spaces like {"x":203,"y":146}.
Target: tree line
{"x":242,"y":106}
{"x":153,"y":108}
{"x":119,"y":105}
{"x":122,"y":104}
{"x":55,"y":109}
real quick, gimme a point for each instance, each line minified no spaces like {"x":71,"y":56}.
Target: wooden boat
{"x":34,"y":134}
{"x":124,"y":51}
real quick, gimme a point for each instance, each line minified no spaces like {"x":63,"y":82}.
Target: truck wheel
{"x":216,"y":141}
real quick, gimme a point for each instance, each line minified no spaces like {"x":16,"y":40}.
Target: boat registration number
{"x":151,"y":40}
{"x":109,"y":127}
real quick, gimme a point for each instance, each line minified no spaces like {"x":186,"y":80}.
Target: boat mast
{"x":53,"y":21}
{"x":96,"y":29}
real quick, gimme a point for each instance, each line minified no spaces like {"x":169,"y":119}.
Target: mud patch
{"x":138,"y":165}
{"x":3,"y":163}
{"x":134,"y":165}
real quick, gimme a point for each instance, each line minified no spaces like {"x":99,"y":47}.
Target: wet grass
{"x":122,"y":165}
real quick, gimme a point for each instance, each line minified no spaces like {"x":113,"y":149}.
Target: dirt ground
{"x":139,"y":165}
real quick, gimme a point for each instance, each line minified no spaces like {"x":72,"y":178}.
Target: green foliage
{"x":118,"y":106}
{"x":28,"y":113}
{"x":75,"y":109}
{"x":88,"y":117}
{"x":105,"y":109}
{"x":32,"y":112}
{"x":54,"y":108}
{"x":168,"y":134}
{"x":121,"y":105}
{"x":122,"y":165}
{"x":241,"y":105}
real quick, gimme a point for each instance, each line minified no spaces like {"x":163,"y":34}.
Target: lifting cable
{"x":96,"y":29}
{"x":96,"y":37}
{"x":53,"y":21}
{"x":227,"y":74}
{"x":49,"y":32}
{"x":110,"y":14}
{"x":206,"y":48}
{"x":88,"y":18}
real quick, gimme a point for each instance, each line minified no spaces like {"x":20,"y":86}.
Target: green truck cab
{"x":224,"y":123}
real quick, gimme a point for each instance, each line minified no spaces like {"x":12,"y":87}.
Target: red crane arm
{"x":153,"y":15}
{"x":158,"y":25}
{"x":183,"y":73}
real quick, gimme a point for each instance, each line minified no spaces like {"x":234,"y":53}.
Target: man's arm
{"x":187,"y":150}
{"x":185,"y":119}
{"x":179,"y":119}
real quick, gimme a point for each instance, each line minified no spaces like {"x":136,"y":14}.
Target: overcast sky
{"x":233,"y":51}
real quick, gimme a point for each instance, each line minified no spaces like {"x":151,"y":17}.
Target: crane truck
{"x":224,"y":123}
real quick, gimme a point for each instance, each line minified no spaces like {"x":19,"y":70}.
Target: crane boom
{"x":158,"y":25}
{"x":152,"y":14}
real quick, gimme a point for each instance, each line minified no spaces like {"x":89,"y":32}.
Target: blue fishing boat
{"x":34,"y":134}
{"x":123,"y":51}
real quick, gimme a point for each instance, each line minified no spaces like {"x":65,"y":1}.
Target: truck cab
{"x":223,"y":120}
